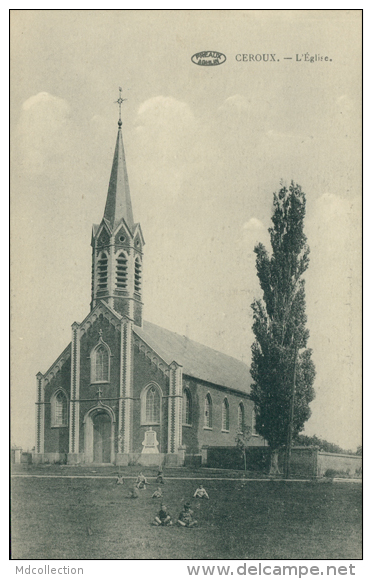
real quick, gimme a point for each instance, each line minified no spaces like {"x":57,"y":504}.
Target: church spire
{"x":118,"y":203}
{"x":117,"y":244}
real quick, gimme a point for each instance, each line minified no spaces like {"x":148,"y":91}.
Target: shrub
{"x":332,"y":473}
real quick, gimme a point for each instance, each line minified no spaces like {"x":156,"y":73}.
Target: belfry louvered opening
{"x":137,"y":276}
{"x":102,"y":269}
{"x":122,"y":271}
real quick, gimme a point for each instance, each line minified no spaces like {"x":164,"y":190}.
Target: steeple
{"x":118,"y":203}
{"x":118,"y":244}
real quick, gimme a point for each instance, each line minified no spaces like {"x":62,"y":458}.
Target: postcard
{"x":186,"y":288}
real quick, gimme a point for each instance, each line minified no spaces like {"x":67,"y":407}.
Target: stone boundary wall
{"x":343,"y":463}
{"x":306,"y":462}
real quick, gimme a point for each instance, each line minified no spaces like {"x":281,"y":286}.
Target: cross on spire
{"x":120,"y":101}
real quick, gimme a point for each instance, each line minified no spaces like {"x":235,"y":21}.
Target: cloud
{"x":332,"y":227}
{"x":345,"y":105}
{"x":98,"y":123}
{"x":167,"y":134}
{"x":165,"y":117}
{"x":168,"y":107}
{"x":42,"y":134}
{"x":253,"y":225}
{"x":333,"y":295}
{"x":253,"y":232}
{"x":236,"y":102}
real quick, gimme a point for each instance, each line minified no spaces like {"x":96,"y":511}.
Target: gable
{"x":123,"y":234}
{"x":58,"y":364}
{"x":139,"y":241}
{"x":151,"y":354}
{"x":102,"y":234}
{"x":101,"y":309}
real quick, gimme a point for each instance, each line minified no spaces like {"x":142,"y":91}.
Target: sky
{"x":206,"y":147}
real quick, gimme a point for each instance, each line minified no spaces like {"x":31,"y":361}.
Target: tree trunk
{"x":274,"y":464}
{"x":245,"y":459}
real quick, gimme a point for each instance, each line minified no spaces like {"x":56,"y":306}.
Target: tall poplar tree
{"x":280,"y":357}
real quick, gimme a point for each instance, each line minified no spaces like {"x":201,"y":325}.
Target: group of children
{"x":163,"y":518}
{"x":185,"y":518}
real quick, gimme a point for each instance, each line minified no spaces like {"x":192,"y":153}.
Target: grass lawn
{"x":77,"y":518}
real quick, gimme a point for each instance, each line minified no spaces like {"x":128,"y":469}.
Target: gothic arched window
{"x":122,"y":271}
{"x":254,"y":431}
{"x":186,"y":406}
{"x":241,"y":417}
{"x":59,"y":409}
{"x":102,"y":269}
{"x":208,"y":411}
{"x":100,"y":364}
{"x":225,"y":415}
{"x":151,"y":405}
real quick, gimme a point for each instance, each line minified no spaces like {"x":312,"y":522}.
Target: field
{"x":91,"y":518}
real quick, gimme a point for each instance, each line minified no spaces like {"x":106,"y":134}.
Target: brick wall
{"x":198,"y":435}
{"x":88,"y":341}
{"x":258,"y":458}
{"x":56,"y":438}
{"x":144,"y":372}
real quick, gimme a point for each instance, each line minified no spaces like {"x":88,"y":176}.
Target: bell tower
{"x":117,"y":244}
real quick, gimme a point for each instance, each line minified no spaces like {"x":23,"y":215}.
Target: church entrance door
{"x":101,"y":438}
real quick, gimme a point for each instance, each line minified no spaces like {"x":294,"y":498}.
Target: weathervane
{"x":120,"y":101}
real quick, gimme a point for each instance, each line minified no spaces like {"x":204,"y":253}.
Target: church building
{"x":126,"y":391}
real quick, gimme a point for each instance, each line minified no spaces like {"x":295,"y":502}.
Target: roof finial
{"x":119,"y":101}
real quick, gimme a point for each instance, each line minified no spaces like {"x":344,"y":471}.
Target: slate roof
{"x":118,"y":203}
{"x":197,"y":360}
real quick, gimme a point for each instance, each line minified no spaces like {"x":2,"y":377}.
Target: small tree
{"x":323,"y":445}
{"x":242,"y":440}
{"x":282,"y":377}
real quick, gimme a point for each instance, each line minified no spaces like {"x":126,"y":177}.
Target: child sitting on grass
{"x":141,"y":481}
{"x":134,"y":494}
{"x":163,"y":518}
{"x":201,"y":493}
{"x":185,"y":518}
{"x":157,"y":494}
{"x":160,"y":476}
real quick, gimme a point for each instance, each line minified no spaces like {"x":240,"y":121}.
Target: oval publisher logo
{"x":208,"y":58}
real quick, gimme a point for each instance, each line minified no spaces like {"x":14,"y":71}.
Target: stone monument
{"x":150,"y":444}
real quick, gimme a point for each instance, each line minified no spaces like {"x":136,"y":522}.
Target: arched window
{"x":208,"y":411}
{"x":59,"y":409}
{"x":137,"y":275}
{"x":254,"y":432}
{"x":100,"y":364}
{"x":121,"y":271}
{"x":102,"y":268}
{"x":186,"y":406}
{"x":225,"y":415}
{"x":151,"y":406}
{"x":241,"y":417}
